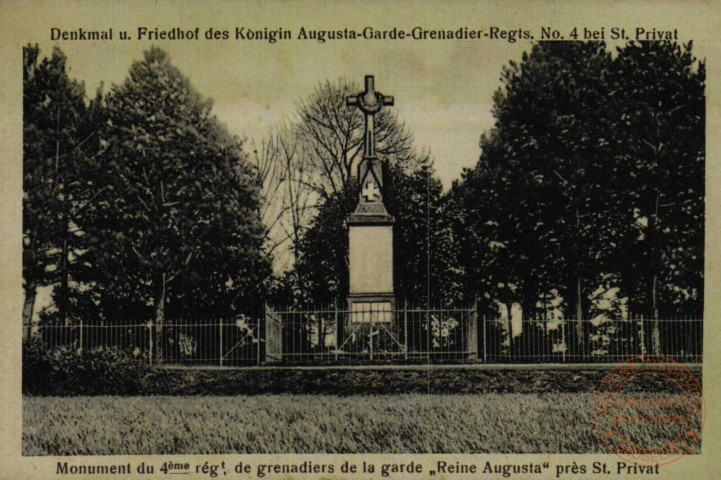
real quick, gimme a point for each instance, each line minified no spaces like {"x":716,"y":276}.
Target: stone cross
{"x":370,"y":102}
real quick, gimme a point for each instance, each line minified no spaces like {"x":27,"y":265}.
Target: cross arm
{"x":354,"y":101}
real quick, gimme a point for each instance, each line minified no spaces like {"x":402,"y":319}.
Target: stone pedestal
{"x":371,"y":266}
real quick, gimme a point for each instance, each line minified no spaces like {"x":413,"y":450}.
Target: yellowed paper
{"x":257,"y":61}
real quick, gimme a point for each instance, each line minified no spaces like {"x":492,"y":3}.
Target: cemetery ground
{"x":522,"y":410}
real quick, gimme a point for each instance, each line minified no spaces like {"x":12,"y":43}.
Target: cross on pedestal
{"x":370,"y":232}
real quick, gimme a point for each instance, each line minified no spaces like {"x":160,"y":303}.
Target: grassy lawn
{"x":415,"y":423}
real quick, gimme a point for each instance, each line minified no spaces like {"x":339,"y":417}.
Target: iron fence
{"x":597,"y":340}
{"x":232,"y":342}
{"x":375,"y":334}
{"x":385,"y":335}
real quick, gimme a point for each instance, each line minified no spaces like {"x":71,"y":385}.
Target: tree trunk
{"x":159,"y":320}
{"x":64,"y":291}
{"x":653,"y":293}
{"x":656,"y":333}
{"x":579,"y":299}
{"x":28,"y":310}
{"x":579,"y":317}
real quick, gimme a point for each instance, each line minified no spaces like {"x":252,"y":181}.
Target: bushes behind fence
{"x":65,"y":371}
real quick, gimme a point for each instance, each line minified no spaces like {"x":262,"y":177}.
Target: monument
{"x":370,"y":227}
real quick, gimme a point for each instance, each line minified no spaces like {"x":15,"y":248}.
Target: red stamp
{"x":649,"y":410}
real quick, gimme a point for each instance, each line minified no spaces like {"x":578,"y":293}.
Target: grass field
{"x":415,"y":423}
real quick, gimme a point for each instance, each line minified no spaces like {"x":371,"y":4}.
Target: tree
{"x":287,"y":204}
{"x":178,"y":225}
{"x":542,"y":171}
{"x":59,"y":141}
{"x":593,"y":171}
{"x":659,"y":101}
{"x":426,"y":264}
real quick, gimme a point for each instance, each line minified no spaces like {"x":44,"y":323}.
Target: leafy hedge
{"x":345,"y":382}
{"x":110,"y":371}
{"x":66,"y":371}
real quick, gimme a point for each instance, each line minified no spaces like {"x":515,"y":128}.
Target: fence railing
{"x":376,"y":334}
{"x":406,"y":335}
{"x":178,"y":342}
{"x":594,"y":340}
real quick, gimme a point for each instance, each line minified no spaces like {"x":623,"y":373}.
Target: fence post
{"x":371,"y":332}
{"x":151,"y":344}
{"x":428,"y":331}
{"x":405,"y":328}
{"x":643,"y":337}
{"x":321,"y":335}
{"x":472,"y":333}
{"x":262,"y":326}
{"x":220,"y":340}
{"x":485,"y":343}
{"x":81,"y":334}
{"x":337,"y":328}
{"x":563,"y":339}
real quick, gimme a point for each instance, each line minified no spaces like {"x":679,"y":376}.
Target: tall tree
{"x":659,"y":101}
{"x":59,"y":141}
{"x":593,"y":171}
{"x":178,"y":226}
{"x":542,"y":166}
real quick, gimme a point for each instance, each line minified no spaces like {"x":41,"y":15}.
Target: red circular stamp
{"x":649,"y":410}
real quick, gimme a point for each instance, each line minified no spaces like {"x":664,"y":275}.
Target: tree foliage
{"x":59,"y":143}
{"x":178,"y":226}
{"x":591,"y":180}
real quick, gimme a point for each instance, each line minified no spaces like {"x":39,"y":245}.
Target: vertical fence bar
{"x":370,"y":336}
{"x":337,"y":329}
{"x":151,"y":346}
{"x":319,"y":327}
{"x":405,"y":328}
{"x":485,"y":342}
{"x":81,"y":334}
{"x":220,"y":341}
{"x":643,"y":336}
{"x":428,"y":329}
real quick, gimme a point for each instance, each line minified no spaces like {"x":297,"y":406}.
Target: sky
{"x":443,"y":89}
{"x":443,"y":92}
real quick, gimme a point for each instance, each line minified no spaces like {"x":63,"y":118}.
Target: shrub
{"x":37,"y":368}
{"x":68,"y":371}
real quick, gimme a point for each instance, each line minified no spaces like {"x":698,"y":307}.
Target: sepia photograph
{"x":246,"y":235}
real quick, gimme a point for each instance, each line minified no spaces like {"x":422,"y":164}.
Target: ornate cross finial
{"x":369,"y":102}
